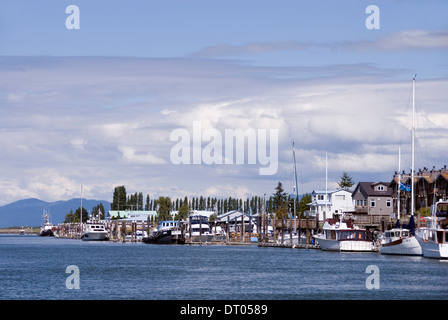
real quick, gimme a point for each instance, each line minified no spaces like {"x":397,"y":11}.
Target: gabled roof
{"x":367,"y":188}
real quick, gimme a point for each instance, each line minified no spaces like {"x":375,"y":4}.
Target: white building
{"x":131,"y":215}
{"x":330,"y":202}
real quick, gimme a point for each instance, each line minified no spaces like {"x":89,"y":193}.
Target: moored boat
{"x":167,"y":232}
{"x":47,"y":229}
{"x":400,"y":241}
{"x":434,"y":237}
{"x":339,"y":234}
{"x":198,"y":229}
{"x":95,"y":231}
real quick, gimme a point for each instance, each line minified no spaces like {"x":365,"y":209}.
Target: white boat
{"x":434,"y":237}
{"x":339,"y":234}
{"x":400,"y":241}
{"x":95,"y":231}
{"x":296,"y":239}
{"x":47,"y":228}
{"x":198,"y":229}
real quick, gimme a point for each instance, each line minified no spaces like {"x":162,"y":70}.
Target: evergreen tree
{"x":346,"y":181}
{"x":165,"y":207}
{"x":119,"y":201}
{"x":279,"y":197}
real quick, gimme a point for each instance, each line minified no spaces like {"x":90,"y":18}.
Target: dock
{"x":293,"y":246}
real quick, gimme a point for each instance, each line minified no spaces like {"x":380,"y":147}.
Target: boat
{"x":401,"y":241}
{"x":167,"y":232}
{"x":198,"y":229}
{"x":296,"y":239}
{"x":95,"y":231}
{"x":340,"y":234}
{"x":47,"y":228}
{"x":434,"y":237}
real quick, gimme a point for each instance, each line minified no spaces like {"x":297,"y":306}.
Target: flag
{"x":405,"y":187}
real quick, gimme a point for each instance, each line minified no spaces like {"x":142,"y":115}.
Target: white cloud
{"x":68,"y":134}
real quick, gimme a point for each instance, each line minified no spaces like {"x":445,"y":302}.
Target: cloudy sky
{"x":96,"y":106}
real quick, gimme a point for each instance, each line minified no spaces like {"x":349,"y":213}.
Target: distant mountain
{"x":28,"y":212}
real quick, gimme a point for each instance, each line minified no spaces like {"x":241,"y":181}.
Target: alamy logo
{"x":227,"y":149}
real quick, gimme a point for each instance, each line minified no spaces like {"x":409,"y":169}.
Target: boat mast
{"x":399,"y":183}
{"x":80,"y":212}
{"x":326,"y":182}
{"x":413,"y":145}
{"x":296,"y":192}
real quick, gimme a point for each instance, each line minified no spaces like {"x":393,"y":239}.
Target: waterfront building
{"x":430,"y":186}
{"x":328,"y":202}
{"x":373,"y":198}
{"x":133,"y":215}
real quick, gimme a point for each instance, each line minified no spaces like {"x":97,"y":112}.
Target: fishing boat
{"x":95,"y":231}
{"x":434,"y":237}
{"x":400,"y":241}
{"x":167,"y":232}
{"x":198,"y":229}
{"x":47,"y":228}
{"x":340,"y":234}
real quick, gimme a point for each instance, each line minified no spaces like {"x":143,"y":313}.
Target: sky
{"x":100,"y":105}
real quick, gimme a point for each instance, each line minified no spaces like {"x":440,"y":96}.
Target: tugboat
{"x":47,"y":229}
{"x":167,"y":232}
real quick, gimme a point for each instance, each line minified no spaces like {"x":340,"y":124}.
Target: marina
{"x":123,"y":270}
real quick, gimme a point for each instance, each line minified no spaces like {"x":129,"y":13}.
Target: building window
{"x":372,"y":203}
{"x":388,"y":203}
{"x":320,"y":197}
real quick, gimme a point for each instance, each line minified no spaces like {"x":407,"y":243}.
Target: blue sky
{"x":95,"y":106}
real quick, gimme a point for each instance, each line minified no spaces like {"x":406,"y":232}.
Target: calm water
{"x":35,"y":268}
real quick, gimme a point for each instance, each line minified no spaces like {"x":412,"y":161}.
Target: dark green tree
{"x":279,"y":197}
{"x":165,"y":206}
{"x":119,"y":200}
{"x":346,"y":181}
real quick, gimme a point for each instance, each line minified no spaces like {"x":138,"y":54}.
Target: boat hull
{"x":46,"y":233}
{"x":344,"y":245}
{"x":406,"y":246}
{"x":163,"y":237}
{"x":434,"y":250}
{"x":94,"y":236}
{"x":201,"y":238}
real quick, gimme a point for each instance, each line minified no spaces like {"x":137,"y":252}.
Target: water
{"x":35,"y":268}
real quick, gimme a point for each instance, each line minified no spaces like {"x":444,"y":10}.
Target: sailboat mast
{"x":413,"y":146}
{"x":399,"y":183}
{"x":296,"y":192}
{"x":326,"y":183}
{"x":80,"y":213}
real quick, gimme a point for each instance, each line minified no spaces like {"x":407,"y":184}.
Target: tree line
{"x":123,"y":201}
{"x":279,"y":203}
